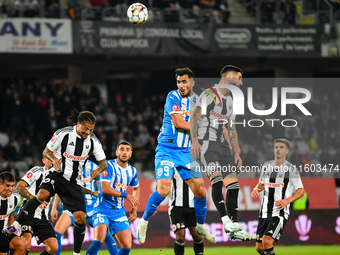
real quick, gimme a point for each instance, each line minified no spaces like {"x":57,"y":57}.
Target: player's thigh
{"x":101,"y":223}
{"x":65,"y":220}
{"x":27,"y":236}
{"x":124,"y":238}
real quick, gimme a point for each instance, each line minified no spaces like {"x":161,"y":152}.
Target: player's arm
{"x":179,"y":122}
{"x":22,"y":189}
{"x":54,"y":211}
{"x":284,"y":202}
{"x":88,"y":191}
{"x":195,"y":147}
{"x":102,"y":165}
{"x":258,"y":188}
{"x":106,"y":189}
{"x":231,"y":127}
{"x":47,"y":153}
{"x":10,"y":219}
{"x":133,"y":213}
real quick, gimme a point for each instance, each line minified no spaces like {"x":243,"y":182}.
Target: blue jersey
{"x":171,"y":136}
{"x":119,"y":179}
{"x":90,"y":185}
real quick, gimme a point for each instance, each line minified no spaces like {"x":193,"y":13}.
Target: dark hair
{"x":184,"y":71}
{"x":228,"y":68}
{"x":6,"y":176}
{"x":282,"y":140}
{"x":80,"y":117}
{"x":124,"y":143}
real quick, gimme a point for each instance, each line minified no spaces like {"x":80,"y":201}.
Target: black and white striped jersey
{"x":34,"y":177}
{"x":7,"y":206}
{"x":280,"y":182}
{"x":219,"y":110}
{"x":180,"y":194}
{"x":73,"y":152}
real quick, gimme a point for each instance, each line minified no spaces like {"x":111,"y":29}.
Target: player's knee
{"x":267,"y":242}
{"x":20,"y":246}
{"x":164,"y":190}
{"x":200,"y":192}
{"x":180,"y":237}
{"x":127,"y":245}
{"x":79,"y":217}
{"x":43,"y":195}
{"x":52,"y":247}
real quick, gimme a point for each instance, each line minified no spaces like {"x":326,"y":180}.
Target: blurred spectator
{"x":26,"y":149}
{"x":296,"y":158}
{"x":251,"y":157}
{"x":12,"y":169}
{"x":32,"y":9}
{"x":325,"y":158}
{"x":10,"y":152}
{"x":313,"y":143}
{"x":289,"y":10}
{"x":19,"y":8}
{"x":209,"y":9}
{"x":88,"y":13}
{"x":223,"y":6}
{"x":1,"y":167}
{"x":307,"y":161}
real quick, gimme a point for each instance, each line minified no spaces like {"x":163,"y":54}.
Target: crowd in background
{"x":31,"y":111}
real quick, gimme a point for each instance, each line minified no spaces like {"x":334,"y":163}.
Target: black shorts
{"x":41,"y":229}
{"x":216,"y":156}
{"x":270,"y":227}
{"x":5,"y":241}
{"x":182,"y":217}
{"x":71,"y":194}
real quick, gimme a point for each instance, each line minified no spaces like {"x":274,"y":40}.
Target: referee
{"x":73,"y":145}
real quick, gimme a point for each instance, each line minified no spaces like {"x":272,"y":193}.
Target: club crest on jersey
{"x":118,"y":184}
{"x":87,"y":146}
{"x":29,"y":175}
{"x":175,"y":107}
{"x":104,"y":173}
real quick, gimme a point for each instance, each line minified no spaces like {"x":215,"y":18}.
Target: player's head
{"x":85,"y":122}
{"x":47,"y":162}
{"x":124,"y":151}
{"x":231,"y":75}
{"x":7,"y":182}
{"x":185,"y":81}
{"x":281,"y":148}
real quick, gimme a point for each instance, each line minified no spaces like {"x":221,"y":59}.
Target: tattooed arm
{"x":87,"y":191}
{"x":102,"y":165}
{"x":195,"y":147}
{"x":50,"y":156}
{"x":21,"y":187}
{"x":234,"y":142}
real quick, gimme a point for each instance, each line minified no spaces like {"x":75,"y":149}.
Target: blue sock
{"x":94,"y":248}
{"x":59,"y":236}
{"x":200,"y":205}
{"x":154,"y":201}
{"x":123,"y":251}
{"x":111,"y":243}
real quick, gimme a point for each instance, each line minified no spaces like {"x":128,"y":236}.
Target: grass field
{"x":300,"y":250}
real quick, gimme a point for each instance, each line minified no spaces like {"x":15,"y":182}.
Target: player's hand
{"x":43,"y":205}
{"x":196,"y":149}
{"x":133,"y":200}
{"x":255,"y":193}
{"x":56,"y":164}
{"x":96,"y":194}
{"x":133,"y":215}
{"x":281,"y":203}
{"x":94,"y":174}
{"x":54,"y":214}
{"x":238,"y":161}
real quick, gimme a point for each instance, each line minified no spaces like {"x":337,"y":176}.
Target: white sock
{"x":225,"y":219}
{"x":74,"y":253}
{"x":16,"y":224}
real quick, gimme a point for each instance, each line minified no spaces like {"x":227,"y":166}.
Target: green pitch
{"x":301,"y":250}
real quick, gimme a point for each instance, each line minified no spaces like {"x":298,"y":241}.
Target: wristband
{"x":124,"y":195}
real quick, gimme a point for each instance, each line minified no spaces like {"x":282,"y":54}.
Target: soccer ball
{"x":137,"y":13}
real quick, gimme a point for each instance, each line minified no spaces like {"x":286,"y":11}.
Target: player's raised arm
{"x":50,"y":156}
{"x":179,"y":122}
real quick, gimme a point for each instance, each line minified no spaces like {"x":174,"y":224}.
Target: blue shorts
{"x":115,"y":220}
{"x":89,"y":219}
{"x":167,"y":159}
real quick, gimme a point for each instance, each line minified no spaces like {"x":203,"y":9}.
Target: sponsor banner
{"x":36,"y":36}
{"x":268,"y":40}
{"x":315,"y":188}
{"x":317,"y":227}
{"x":122,"y":38}
{"x":191,"y":39}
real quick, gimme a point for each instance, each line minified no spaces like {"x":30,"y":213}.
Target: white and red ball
{"x":137,"y":13}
